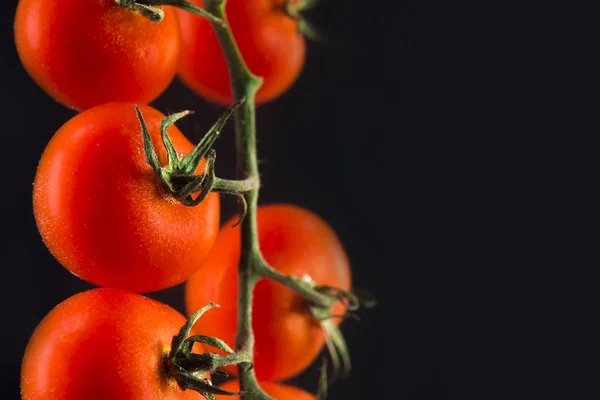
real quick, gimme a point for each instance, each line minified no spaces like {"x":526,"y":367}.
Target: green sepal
{"x":209,"y":362}
{"x":365,"y":298}
{"x":294,"y":9}
{"x":220,"y":372}
{"x":303,"y":5}
{"x":338,"y":350}
{"x":242,"y":200}
{"x":166,"y":124}
{"x":187,"y":380}
{"x":179,"y":339}
{"x":307,"y":30}
{"x":207,"y":187}
{"x":211,"y":341}
{"x":244,"y":209}
{"x":190,"y":163}
{"x":149,"y":150}
{"x":334,"y":340}
{"x":348,"y":298}
{"x":323,"y":384}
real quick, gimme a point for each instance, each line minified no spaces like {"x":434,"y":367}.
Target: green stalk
{"x":148,"y":8}
{"x":244,"y":85}
{"x":252,"y":265}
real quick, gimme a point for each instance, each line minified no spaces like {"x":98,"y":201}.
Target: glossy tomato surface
{"x":89,"y":52}
{"x":275,"y":390}
{"x":296,"y":242}
{"x":268,"y":40}
{"x":102,"y":344}
{"x":102,"y":212}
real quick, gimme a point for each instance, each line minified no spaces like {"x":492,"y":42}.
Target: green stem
{"x":305,"y":288}
{"x":252,"y":265}
{"x":234,"y":186}
{"x":148,"y":9}
{"x":185,"y":6}
{"x":244,"y":85}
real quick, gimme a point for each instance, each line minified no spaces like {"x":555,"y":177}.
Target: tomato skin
{"x":295,"y":242}
{"x":103,"y":344}
{"x":88,"y":52}
{"x":267,"y":38}
{"x":101,"y":211}
{"x":275,"y":390}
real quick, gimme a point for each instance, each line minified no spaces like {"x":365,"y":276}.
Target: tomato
{"x":275,"y":390}
{"x":88,"y":52}
{"x":103,"y":344}
{"x":295,"y":242}
{"x":267,"y":38}
{"x":100,"y":208}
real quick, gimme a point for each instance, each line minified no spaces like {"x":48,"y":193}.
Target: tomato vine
{"x":252,"y":266}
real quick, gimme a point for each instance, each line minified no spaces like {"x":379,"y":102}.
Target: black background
{"x":436,"y":146}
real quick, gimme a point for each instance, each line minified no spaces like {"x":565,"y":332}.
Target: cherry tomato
{"x":88,"y":52}
{"x":103,"y":344}
{"x":268,"y":40}
{"x":275,"y":390}
{"x":295,"y":242}
{"x":100,"y":208}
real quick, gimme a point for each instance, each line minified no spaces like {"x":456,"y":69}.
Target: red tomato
{"x":101,"y":210}
{"x":268,"y":40}
{"x":89,"y":52}
{"x":295,"y":242}
{"x":275,"y":390}
{"x":103,"y":344}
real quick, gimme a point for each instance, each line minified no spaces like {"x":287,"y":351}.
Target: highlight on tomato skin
{"x":277,"y":391}
{"x":103,"y":344}
{"x":296,"y":242}
{"x":268,"y":40}
{"x":88,"y":52}
{"x":100,"y":208}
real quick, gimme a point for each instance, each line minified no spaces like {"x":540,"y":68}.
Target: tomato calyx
{"x":178,"y":177}
{"x":334,"y":340}
{"x":294,"y":9}
{"x":319,"y":300}
{"x":148,"y":8}
{"x":188,"y":369}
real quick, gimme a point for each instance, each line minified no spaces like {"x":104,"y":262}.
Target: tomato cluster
{"x":105,"y":212}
